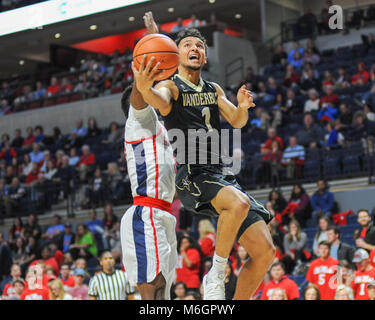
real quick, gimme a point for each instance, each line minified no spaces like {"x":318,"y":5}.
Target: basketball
{"x":163,"y":48}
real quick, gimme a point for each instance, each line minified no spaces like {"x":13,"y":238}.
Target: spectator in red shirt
{"x":48,"y":260}
{"x":280,"y":280}
{"x":207,"y":239}
{"x":54,"y":87}
{"x":66,"y":86}
{"x":362,"y":76}
{"x":33,"y":175}
{"x":189,"y":262}
{"x":35,"y":289}
{"x":85,"y":163}
{"x":330,"y":96}
{"x":272,"y":136}
{"x":30,"y":139}
{"x":7,"y":153}
{"x":291,"y":78}
{"x":321,"y":270}
{"x":66,"y":278}
{"x":364,"y":275}
{"x":80,"y":291}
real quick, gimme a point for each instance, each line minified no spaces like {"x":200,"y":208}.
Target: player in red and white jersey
{"x":322,"y":271}
{"x":363,"y":276}
{"x":280,"y":280}
{"x":148,"y":229}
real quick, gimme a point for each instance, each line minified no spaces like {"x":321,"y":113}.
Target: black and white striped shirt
{"x":113,"y":286}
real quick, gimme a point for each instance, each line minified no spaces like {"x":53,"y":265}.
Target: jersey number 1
{"x":207,"y":117}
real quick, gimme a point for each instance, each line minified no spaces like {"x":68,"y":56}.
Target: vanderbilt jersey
{"x":196,"y":114}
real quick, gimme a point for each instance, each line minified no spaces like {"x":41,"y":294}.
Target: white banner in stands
{"x":38,"y":15}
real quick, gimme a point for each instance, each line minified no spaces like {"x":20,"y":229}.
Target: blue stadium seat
{"x":312,"y":169}
{"x":351,"y":164}
{"x":351,"y":219}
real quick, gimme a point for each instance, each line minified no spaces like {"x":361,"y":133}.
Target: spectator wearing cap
{"x":281,"y":281}
{"x":365,"y":238}
{"x":365,"y":274}
{"x":371,"y":290}
{"x":80,"y":290}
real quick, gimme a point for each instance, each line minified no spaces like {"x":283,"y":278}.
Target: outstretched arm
{"x":238,"y":116}
{"x":136,"y":99}
{"x":159,"y":97}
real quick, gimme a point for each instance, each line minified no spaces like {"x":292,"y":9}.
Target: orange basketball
{"x":163,"y":48}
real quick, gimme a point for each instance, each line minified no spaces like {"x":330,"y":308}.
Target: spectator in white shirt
{"x":293,"y":157}
{"x":313,"y":103}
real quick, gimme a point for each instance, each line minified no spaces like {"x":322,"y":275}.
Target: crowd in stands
{"x":310,"y":24}
{"x":96,"y":76}
{"x":311,"y":107}
{"x":328,"y":264}
{"x":39,"y":170}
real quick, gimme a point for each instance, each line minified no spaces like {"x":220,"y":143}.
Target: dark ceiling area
{"x":33,"y":46}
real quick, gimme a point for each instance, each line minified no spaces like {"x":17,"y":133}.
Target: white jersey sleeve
{"x":150,"y":160}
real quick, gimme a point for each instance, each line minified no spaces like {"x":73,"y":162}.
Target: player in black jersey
{"x":188,"y":102}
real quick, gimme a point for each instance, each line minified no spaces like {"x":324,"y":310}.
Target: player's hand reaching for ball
{"x":146,"y":75}
{"x":150,"y":23}
{"x":245,"y":98}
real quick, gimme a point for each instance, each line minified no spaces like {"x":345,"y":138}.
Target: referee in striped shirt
{"x":110,"y":284}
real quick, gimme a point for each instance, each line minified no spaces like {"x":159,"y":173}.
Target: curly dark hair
{"x":125,"y":100}
{"x":190,"y":32}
